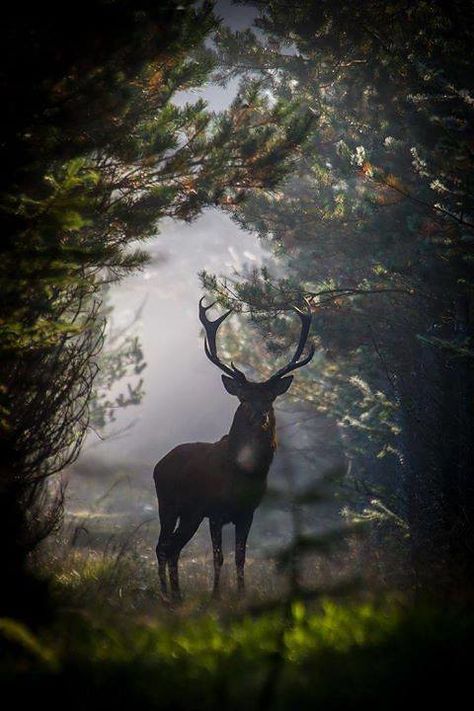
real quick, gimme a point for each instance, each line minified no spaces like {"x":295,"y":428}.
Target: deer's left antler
{"x":295,"y":363}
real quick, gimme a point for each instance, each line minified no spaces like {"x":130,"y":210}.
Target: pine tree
{"x":94,"y":153}
{"x":376,"y":226}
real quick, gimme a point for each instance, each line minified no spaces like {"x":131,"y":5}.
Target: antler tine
{"x":305,"y":326}
{"x":214,"y":359}
{"x":211,"y":326}
{"x":210,"y":347}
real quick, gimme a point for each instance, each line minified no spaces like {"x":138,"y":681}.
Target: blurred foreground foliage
{"x":338,"y":655}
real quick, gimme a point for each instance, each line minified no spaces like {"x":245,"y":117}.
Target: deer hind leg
{"x":216,"y":536}
{"x":168,"y":518}
{"x":242,"y":528}
{"x":185,"y":531}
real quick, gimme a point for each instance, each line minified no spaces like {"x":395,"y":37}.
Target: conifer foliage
{"x":376,"y":227}
{"x":95,"y":151}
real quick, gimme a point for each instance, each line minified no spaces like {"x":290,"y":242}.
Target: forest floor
{"x":105,"y":551}
{"x":112,"y":643}
{"x":351,"y":640}
{"x":111,"y":527}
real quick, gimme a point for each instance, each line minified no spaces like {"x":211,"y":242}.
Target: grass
{"x":113,"y":645}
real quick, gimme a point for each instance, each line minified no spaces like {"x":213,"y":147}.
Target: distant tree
{"x":94,"y":152}
{"x":119,"y":382}
{"x":376,"y":226}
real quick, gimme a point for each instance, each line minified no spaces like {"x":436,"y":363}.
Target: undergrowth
{"x":338,"y":656}
{"x":112,"y":644}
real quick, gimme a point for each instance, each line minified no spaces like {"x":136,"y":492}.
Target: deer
{"x":223,"y":481}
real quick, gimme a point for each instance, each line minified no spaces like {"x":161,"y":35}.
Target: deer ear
{"x":231,"y":386}
{"x":282,"y":385}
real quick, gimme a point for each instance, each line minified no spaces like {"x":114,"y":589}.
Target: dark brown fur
{"x":223,"y":481}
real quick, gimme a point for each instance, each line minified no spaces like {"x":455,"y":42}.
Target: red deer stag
{"x":226,"y":480}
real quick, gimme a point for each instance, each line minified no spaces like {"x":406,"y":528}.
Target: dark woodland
{"x":237,"y":240}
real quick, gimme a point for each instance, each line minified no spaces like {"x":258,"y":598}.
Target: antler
{"x":210,"y":347}
{"x":305,"y":326}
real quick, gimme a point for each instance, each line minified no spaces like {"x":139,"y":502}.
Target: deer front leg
{"x":242,"y":528}
{"x":185,"y":531}
{"x":168,"y":520}
{"x":215,"y":526}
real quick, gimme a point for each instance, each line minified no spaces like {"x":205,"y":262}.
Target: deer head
{"x":256,"y":398}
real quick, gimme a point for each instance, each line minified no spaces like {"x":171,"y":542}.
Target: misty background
{"x":183,"y":390}
{"x":184,"y":399}
{"x":110,"y":491}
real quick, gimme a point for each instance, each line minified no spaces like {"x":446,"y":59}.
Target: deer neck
{"x":251,"y":447}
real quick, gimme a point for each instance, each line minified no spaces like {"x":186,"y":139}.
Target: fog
{"x":185,"y":399}
{"x":184,"y":396}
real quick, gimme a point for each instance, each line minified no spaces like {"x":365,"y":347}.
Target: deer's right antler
{"x":210,"y":347}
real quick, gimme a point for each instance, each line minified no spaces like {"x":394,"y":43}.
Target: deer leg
{"x":185,"y":531}
{"x":242,"y":528}
{"x":168,"y":522}
{"x":216,"y":537}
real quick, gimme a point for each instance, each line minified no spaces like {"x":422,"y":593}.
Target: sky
{"x":238,"y":17}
